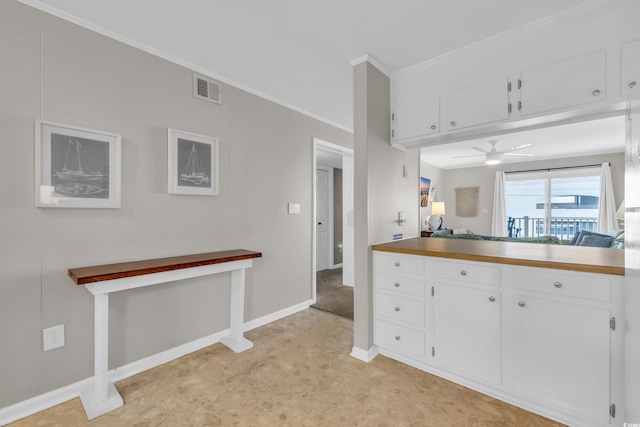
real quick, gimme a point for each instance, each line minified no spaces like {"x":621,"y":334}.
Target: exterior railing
{"x":562,"y":227}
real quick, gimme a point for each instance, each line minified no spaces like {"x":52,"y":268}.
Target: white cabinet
{"x":416,"y":119}
{"x":536,"y":337}
{"x":467,"y":331}
{"x":479,"y":104}
{"x":561,"y":354}
{"x":576,"y":81}
{"x":630,"y":69}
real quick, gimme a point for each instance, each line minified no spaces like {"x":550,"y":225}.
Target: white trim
{"x":52,"y":398}
{"x":365,"y":355}
{"x":141,"y":46}
{"x":371,"y":60}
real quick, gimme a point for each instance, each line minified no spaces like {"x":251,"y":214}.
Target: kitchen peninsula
{"x":531,"y":324}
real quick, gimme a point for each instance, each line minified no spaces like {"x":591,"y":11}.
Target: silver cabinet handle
{"x":433,"y":127}
{"x":452,"y":123}
{"x":521,"y":304}
{"x":492,"y":299}
{"x":397,"y":284}
{"x":632,"y":85}
{"x":557,"y":285}
{"x":397,"y":308}
{"x":397,"y":337}
{"x":464,"y":273}
{"x":596,"y":92}
{"x":397,"y":264}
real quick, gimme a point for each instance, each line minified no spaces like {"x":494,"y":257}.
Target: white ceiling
{"x":298,"y":53}
{"x":580,"y":139}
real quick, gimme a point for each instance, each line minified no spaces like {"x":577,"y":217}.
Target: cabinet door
{"x":416,"y":120}
{"x":484,"y":103}
{"x":467,"y":331}
{"x":630,"y":69}
{"x":568,"y":83}
{"x":561,"y":355}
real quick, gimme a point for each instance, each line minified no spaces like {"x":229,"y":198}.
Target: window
{"x":555,"y":202}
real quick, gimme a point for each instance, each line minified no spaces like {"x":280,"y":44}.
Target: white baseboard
{"x":364,"y":355}
{"x":50,"y":399}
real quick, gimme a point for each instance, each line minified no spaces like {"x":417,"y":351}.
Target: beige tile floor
{"x":298,"y":374}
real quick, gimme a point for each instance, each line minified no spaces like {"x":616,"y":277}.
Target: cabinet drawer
{"x":399,"y":263}
{"x":590,"y":287}
{"x":400,"y":284}
{"x":399,"y":338}
{"x":399,"y":308}
{"x":467,"y":272}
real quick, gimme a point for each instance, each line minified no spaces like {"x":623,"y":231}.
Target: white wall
{"x":57,"y":71}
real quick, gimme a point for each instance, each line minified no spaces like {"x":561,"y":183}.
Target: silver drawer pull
{"x":433,"y":127}
{"x":557,"y":285}
{"x":397,"y":308}
{"x":452,"y":123}
{"x":397,"y":264}
{"x":521,"y":304}
{"x":464,"y":273}
{"x":397,"y":284}
{"x":632,"y":85}
{"x":492,"y":299}
{"x":596,"y":92}
{"x":397,"y":337}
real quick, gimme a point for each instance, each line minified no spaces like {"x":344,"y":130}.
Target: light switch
{"x":294,"y":208}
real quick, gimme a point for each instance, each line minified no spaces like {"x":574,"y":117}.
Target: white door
{"x":322,"y":219}
{"x":561,"y":354}
{"x":467,"y":331}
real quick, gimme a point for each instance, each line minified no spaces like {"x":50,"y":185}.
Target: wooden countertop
{"x":561,"y":257}
{"x":99,"y":273}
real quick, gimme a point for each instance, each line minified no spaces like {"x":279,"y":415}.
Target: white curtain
{"x":607,"y":205}
{"x":499,"y":221}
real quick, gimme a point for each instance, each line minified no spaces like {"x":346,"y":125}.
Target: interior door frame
{"x":329,"y":214}
{"x":347,"y":211}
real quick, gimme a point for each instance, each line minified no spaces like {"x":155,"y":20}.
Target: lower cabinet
{"x":467,"y":331}
{"x":537,"y":337}
{"x":561,"y":354}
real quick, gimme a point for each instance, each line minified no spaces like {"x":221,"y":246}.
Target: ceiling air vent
{"x":207,"y":89}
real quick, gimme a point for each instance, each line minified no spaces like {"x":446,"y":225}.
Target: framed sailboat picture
{"x":76,"y":167}
{"x":193,"y":164}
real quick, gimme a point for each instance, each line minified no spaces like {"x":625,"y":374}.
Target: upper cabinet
{"x":630,"y":69}
{"x":416,"y":119}
{"x":576,"y":81}
{"x":487,"y":102}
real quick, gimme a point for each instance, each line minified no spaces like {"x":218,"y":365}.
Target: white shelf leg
{"x":101,"y":397}
{"x":235,"y":341}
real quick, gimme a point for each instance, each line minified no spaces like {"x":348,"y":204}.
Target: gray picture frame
{"x":193,"y":164}
{"x":76,"y":167}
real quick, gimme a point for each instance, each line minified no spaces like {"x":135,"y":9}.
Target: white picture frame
{"x":193,"y":164}
{"x":76,"y":167}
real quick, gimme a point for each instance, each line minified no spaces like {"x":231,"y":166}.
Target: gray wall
{"x":57,"y":71}
{"x":484,"y":177}
{"x":337,"y":216}
{"x":381,"y":190}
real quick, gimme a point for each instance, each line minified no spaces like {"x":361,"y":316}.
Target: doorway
{"x":332,"y":234}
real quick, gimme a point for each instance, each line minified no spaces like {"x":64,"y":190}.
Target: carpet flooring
{"x":299,"y":373}
{"x":332,"y":295}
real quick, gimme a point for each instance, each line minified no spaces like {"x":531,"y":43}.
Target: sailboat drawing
{"x":194,"y":171}
{"x":78,"y":170}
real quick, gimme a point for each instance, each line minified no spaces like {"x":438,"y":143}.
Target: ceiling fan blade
{"x":462,"y":157}
{"x":519,"y":147}
{"x":482,"y":150}
{"x":518,"y":154}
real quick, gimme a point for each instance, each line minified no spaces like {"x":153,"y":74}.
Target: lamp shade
{"x":437,"y":208}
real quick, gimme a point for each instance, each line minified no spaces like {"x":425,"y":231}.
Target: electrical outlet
{"x":53,"y":337}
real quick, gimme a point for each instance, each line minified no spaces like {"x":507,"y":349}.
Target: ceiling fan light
{"x":493,"y":158}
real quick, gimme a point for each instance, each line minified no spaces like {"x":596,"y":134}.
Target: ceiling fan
{"x":493,"y":156}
